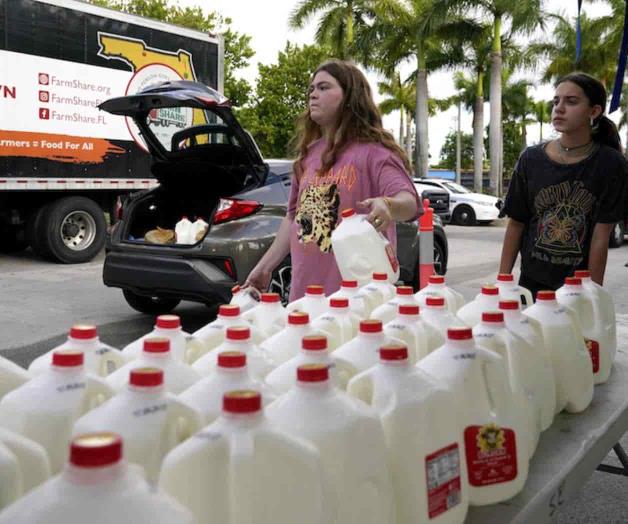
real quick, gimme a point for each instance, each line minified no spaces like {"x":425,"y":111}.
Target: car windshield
{"x":456,"y":188}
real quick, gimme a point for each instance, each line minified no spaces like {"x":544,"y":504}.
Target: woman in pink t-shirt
{"x":346,"y":159}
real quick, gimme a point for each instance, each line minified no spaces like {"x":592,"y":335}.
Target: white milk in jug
{"x":487,"y":300}
{"x":314,"y":302}
{"x":386,"y":312}
{"x":45,"y":408}
{"x":436,"y":288}
{"x":508,"y":290}
{"x":183,"y":231}
{"x":425,"y":448}
{"x":10,"y":477}
{"x":337,"y":323}
{"x":198,"y":230}
{"x":359,"y":303}
{"x":242,"y":470}
{"x":408,"y":329}
{"x":380,"y":289}
{"x":31,"y":458}
{"x":285,"y":344}
{"x":157,"y":354}
{"x":242,"y":298}
{"x":268,"y":317}
{"x":360,"y":249}
{"x":99,"y":487}
{"x":350,"y":440}
{"x":11,"y":376}
{"x":437,"y":320}
{"x":495,"y":449}
{"x":530,"y":331}
{"x":570,"y":359}
{"x":150,"y":421}
{"x":362,"y":352}
{"x":100,"y":358}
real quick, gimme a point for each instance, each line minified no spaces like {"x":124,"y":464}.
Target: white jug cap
{"x":68,"y":358}
{"x":314,"y":342}
{"x":313,"y":373}
{"x":156,"y":345}
{"x":509,"y":304}
{"x":146,"y":377}
{"x":231,"y":359}
{"x":83,"y":332}
{"x":546,"y":294}
{"x":229,"y":310}
{"x":298,"y":318}
{"x":242,"y":401}
{"x":436,"y":279}
{"x":238,"y":333}
{"x":314,"y":289}
{"x":490,"y":289}
{"x":168,"y":321}
{"x":96,"y":450}
{"x":492,"y":316}
{"x":505,"y":277}
{"x":405,"y":290}
{"x":393,"y":352}
{"x":270,"y":297}
{"x":459,"y":333}
{"x":371,"y":326}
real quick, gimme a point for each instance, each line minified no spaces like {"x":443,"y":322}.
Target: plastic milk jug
{"x":386,"y":312}
{"x":268,"y":317}
{"x":543,"y":381}
{"x":314,"y":302}
{"x":491,"y":425}
{"x":360,"y":249}
{"x":150,"y":421}
{"x":521,"y":368}
{"x":379,"y":289}
{"x":337,"y":323}
{"x":351,"y":442}
{"x":183,"y":231}
{"x":437,"y":320}
{"x":45,"y":408}
{"x":314,"y":350}
{"x":198,"y":230}
{"x":230,"y":374}
{"x":425,"y":449}
{"x":157,"y":354}
{"x":571,"y":362}
{"x":408,"y":329}
{"x":359,"y":304}
{"x":603,"y":306}
{"x":508,"y":290}
{"x":100,"y":358}
{"x":242,"y":470}
{"x":597,"y":339}
{"x":436,"y":288}
{"x":99,"y":487}
{"x":10,"y":477}
{"x":242,"y":298}
{"x":11,"y":376}
{"x":362,"y":352}
{"x":487,"y":300}
{"x":184,"y":347}
{"x":284,"y":345}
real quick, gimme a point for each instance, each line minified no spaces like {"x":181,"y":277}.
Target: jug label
{"x":491,"y":453}
{"x":594,"y":351}
{"x":442,"y":469}
{"x":392,"y":258}
{"x":71,"y":386}
{"x":149,"y":410}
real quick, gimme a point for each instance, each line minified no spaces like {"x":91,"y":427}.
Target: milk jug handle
{"x":361,"y":387}
{"x":184,"y":420}
{"x":113,"y":355}
{"x":193,"y":349}
{"x":98,"y":390}
{"x":344,"y":371}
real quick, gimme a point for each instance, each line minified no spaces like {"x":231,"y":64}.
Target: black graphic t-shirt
{"x":560,"y":205}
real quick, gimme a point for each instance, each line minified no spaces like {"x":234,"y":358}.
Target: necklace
{"x":568,"y":149}
{"x":582,"y":151}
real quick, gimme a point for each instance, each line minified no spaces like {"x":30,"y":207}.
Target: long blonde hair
{"x":359,"y":119}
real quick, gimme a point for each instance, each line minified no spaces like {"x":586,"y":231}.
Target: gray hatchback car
{"x":208,"y":166}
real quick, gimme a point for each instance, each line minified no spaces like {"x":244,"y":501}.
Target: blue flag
{"x":621,"y":65}
{"x":578,"y":34}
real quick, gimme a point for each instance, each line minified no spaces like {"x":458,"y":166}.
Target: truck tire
{"x":149,"y":305}
{"x":72,"y":230}
{"x":35,"y":232}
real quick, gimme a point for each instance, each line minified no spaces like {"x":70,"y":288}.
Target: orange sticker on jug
{"x":392,"y":258}
{"x":491,"y":453}
{"x":594,"y":352}
{"x":442,"y":469}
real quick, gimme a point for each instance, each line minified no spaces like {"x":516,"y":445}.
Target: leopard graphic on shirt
{"x":562,"y":227}
{"x":317,"y":214}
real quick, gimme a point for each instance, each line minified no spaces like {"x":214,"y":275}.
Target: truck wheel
{"x":35,"y":232}
{"x":149,"y":305}
{"x":617,"y":235}
{"x":72,"y":230}
{"x":281,"y":280}
{"x":463,"y":216}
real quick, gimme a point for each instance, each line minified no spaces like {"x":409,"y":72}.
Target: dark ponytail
{"x":604,"y":129}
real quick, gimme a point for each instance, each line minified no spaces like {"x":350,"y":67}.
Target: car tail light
{"x":231,"y":209}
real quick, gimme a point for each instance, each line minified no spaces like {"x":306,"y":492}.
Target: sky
{"x":267,"y":24}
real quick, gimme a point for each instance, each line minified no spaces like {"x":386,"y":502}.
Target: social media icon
{"x":44,"y":96}
{"x":44,"y":113}
{"x":44,"y":79}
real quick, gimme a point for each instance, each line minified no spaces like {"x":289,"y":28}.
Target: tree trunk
{"x":541,"y":130}
{"x":478,"y":143}
{"x":421,"y":120}
{"x":495,"y":137}
{"x":524,"y":134}
{"x":401,"y":126}
{"x":409,"y":135}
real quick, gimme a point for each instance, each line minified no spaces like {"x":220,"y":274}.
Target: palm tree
{"x":400,"y":96}
{"x":541,"y":110}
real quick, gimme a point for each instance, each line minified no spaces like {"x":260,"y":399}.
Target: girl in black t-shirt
{"x":565,"y":195}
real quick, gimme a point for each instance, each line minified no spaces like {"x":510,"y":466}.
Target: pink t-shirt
{"x":361,"y":171}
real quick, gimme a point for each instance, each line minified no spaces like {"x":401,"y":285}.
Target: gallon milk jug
{"x":230,"y":374}
{"x":31,"y":461}
{"x":436,"y":288}
{"x":408,"y":329}
{"x":521,"y":368}
{"x":362,"y":352}
{"x":487,"y":300}
{"x":214,"y":333}
{"x":508,"y":290}
{"x":268,"y":317}
{"x":596,"y":337}
{"x":359,"y":304}
{"x":570,"y":359}
{"x":491,"y":426}
{"x":314,"y":302}
{"x":242,"y":470}
{"x":386,"y":312}
{"x":184,"y":347}
{"x":157,"y":354}
{"x":198,"y":230}
{"x":379,"y":290}
{"x":360,"y":249}
{"x":11,"y":376}
{"x":183,"y":231}
{"x":425,"y":449}
{"x":45,"y":408}
{"x":150,"y":421}
{"x":543,"y":380}
{"x":10,"y":477}
{"x":284,"y":345}
{"x":100,"y":358}
{"x":437,"y":320}
{"x":99,"y":487}
{"x":337,"y":323}
{"x":314,"y":350}
{"x":238,"y":339}
{"x":603,"y":306}
{"x":350,"y":440}
{"x":242,"y":298}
